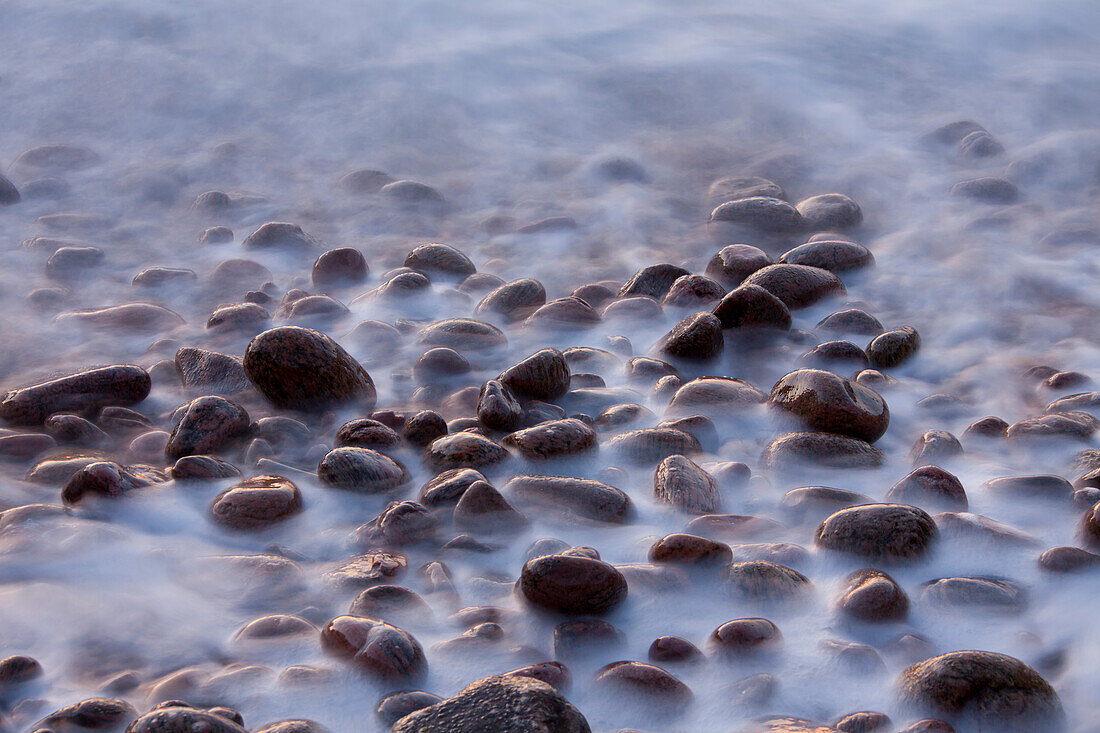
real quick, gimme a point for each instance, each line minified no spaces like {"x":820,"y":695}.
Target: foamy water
{"x":509,"y":109}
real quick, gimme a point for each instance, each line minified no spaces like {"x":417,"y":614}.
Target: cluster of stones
{"x":496,"y":451}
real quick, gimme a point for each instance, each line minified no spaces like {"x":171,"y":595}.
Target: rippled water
{"x":509,"y":109}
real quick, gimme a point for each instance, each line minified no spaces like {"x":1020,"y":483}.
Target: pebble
{"x":653,"y":281}
{"x":827,"y":402}
{"x":464,"y":450}
{"x":646,"y":688}
{"x":106,"y":478}
{"x":383,"y":652}
{"x":361,"y":470}
{"x":735,"y":262}
{"x":693,"y":291}
{"x":689,"y":549}
{"x":482,"y":508}
{"x":256,"y":503}
{"x":577,"y":497}
{"x":572,"y":584}
{"x":439,"y":260}
{"x":81,"y":392}
{"x":552,"y":439}
{"x":766,"y":581}
{"x":679,"y":481}
{"x":793,"y":451}
{"x":829,"y":211}
{"x":885,"y":532}
{"x":514,"y":300}
{"x":301,"y":369}
{"x":751,"y":306}
{"x":930,"y":487}
{"x":797,"y":286}
{"x":744,"y":637}
{"x":464,"y":334}
{"x":280,"y":235}
{"x":207,"y":425}
{"x":851,"y":320}
{"x":872,"y":596}
{"x":1000,"y":692}
{"x":366,"y":433}
{"x":760,"y":213}
{"x":498,"y":703}
{"x":697,"y":337}
{"x":649,"y":446}
{"x":893,"y":348}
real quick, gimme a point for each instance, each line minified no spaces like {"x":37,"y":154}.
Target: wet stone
{"x":751,"y":306}
{"x":361,"y":470}
{"x":649,"y":446}
{"x":280,"y":235}
{"x":673,"y":650}
{"x":1071,"y":425}
{"x":696,"y":337}
{"x":765,"y":581}
{"x":793,"y":451}
{"x":744,"y":636}
{"x":552,"y":439}
{"x":578,"y":638}
{"x":830,"y":403}
{"x":1068,"y":559}
{"x":439,"y":259}
{"x":818,"y":502}
{"x":464,"y":450}
{"x":1040,"y":486}
{"x":973,"y":594}
{"x":396,"y":705}
{"x":381,"y":651}
{"x":81,"y":392}
{"x":873,"y":596}
{"x":836,"y":356}
{"x":210,"y":371}
{"x":742,"y":187}
{"x":829,"y":211}
{"x":578,"y":497}
{"x":892,"y":348}
{"x":302,"y":369}
{"x":400,"y":523}
{"x":482,"y":508}
{"x":207,"y":425}
{"x":108,"y":479}
{"x":851,"y":320}
{"x":423,"y":428}
{"x":797,"y":286}
{"x":930,"y":487}
{"x":987,"y":189}
{"x":690,"y":549}
{"x":693,"y":291}
{"x":463,"y":334}
{"x":513,"y":300}
{"x":679,"y":481}
{"x":542,"y":376}
{"x":759,"y":213}
{"x":986,"y":689}
{"x":368,"y":569}
{"x":447,"y":488}
{"x":735,"y":262}
{"x":646,"y":688}
{"x":572,"y":584}
{"x":339,"y":267}
{"x":934,"y":446}
{"x":498,"y":408}
{"x":256,"y":503}
{"x":653,"y":281}
{"x":887,"y":532}
{"x":565,"y":314}
{"x":512,"y":703}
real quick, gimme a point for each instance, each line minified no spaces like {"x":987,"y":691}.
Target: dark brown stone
{"x":209,"y":371}
{"x":572,"y":584}
{"x":735,"y":262}
{"x":439,"y":259}
{"x":894,"y":347}
{"x":989,"y":690}
{"x":653,"y":281}
{"x":792,"y":450}
{"x":339,"y":267}
{"x":930,"y":487}
{"x":481,"y":508}
{"x":302,"y":369}
{"x":751,"y":306}
{"x":744,"y":636}
{"x":829,"y":211}
{"x":202,"y":467}
{"x":576,"y":496}
{"x":81,"y":392}
{"x":498,"y":408}
{"x":690,"y":549}
{"x":760,"y":213}
{"x":696,"y":337}
{"x":380,"y":650}
{"x":280,"y":235}
{"x":646,"y":688}
{"x":109,"y":479}
{"x":256,"y":503}
{"x":513,"y":300}
{"x":362,"y":470}
{"x":464,"y":334}
{"x":851,"y":320}
{"x":763,"y":581}
{"x":501,"y":703}
{"x":464,"y":450}
{"x":878,"y":531}
{"x":207,"y":425}
{"x":830,"y":403}
{"x":554,"y":438}
{"x":400,"y":523}
{"x":797,"y":285}
{"x":366,"y":433}
{"x":679,"y":481}
{"x":873,"y":596}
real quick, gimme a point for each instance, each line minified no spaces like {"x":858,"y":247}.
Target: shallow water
{"x":509,"y":109}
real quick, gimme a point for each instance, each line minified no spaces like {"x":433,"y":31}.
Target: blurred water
{"x":508,"y":108}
